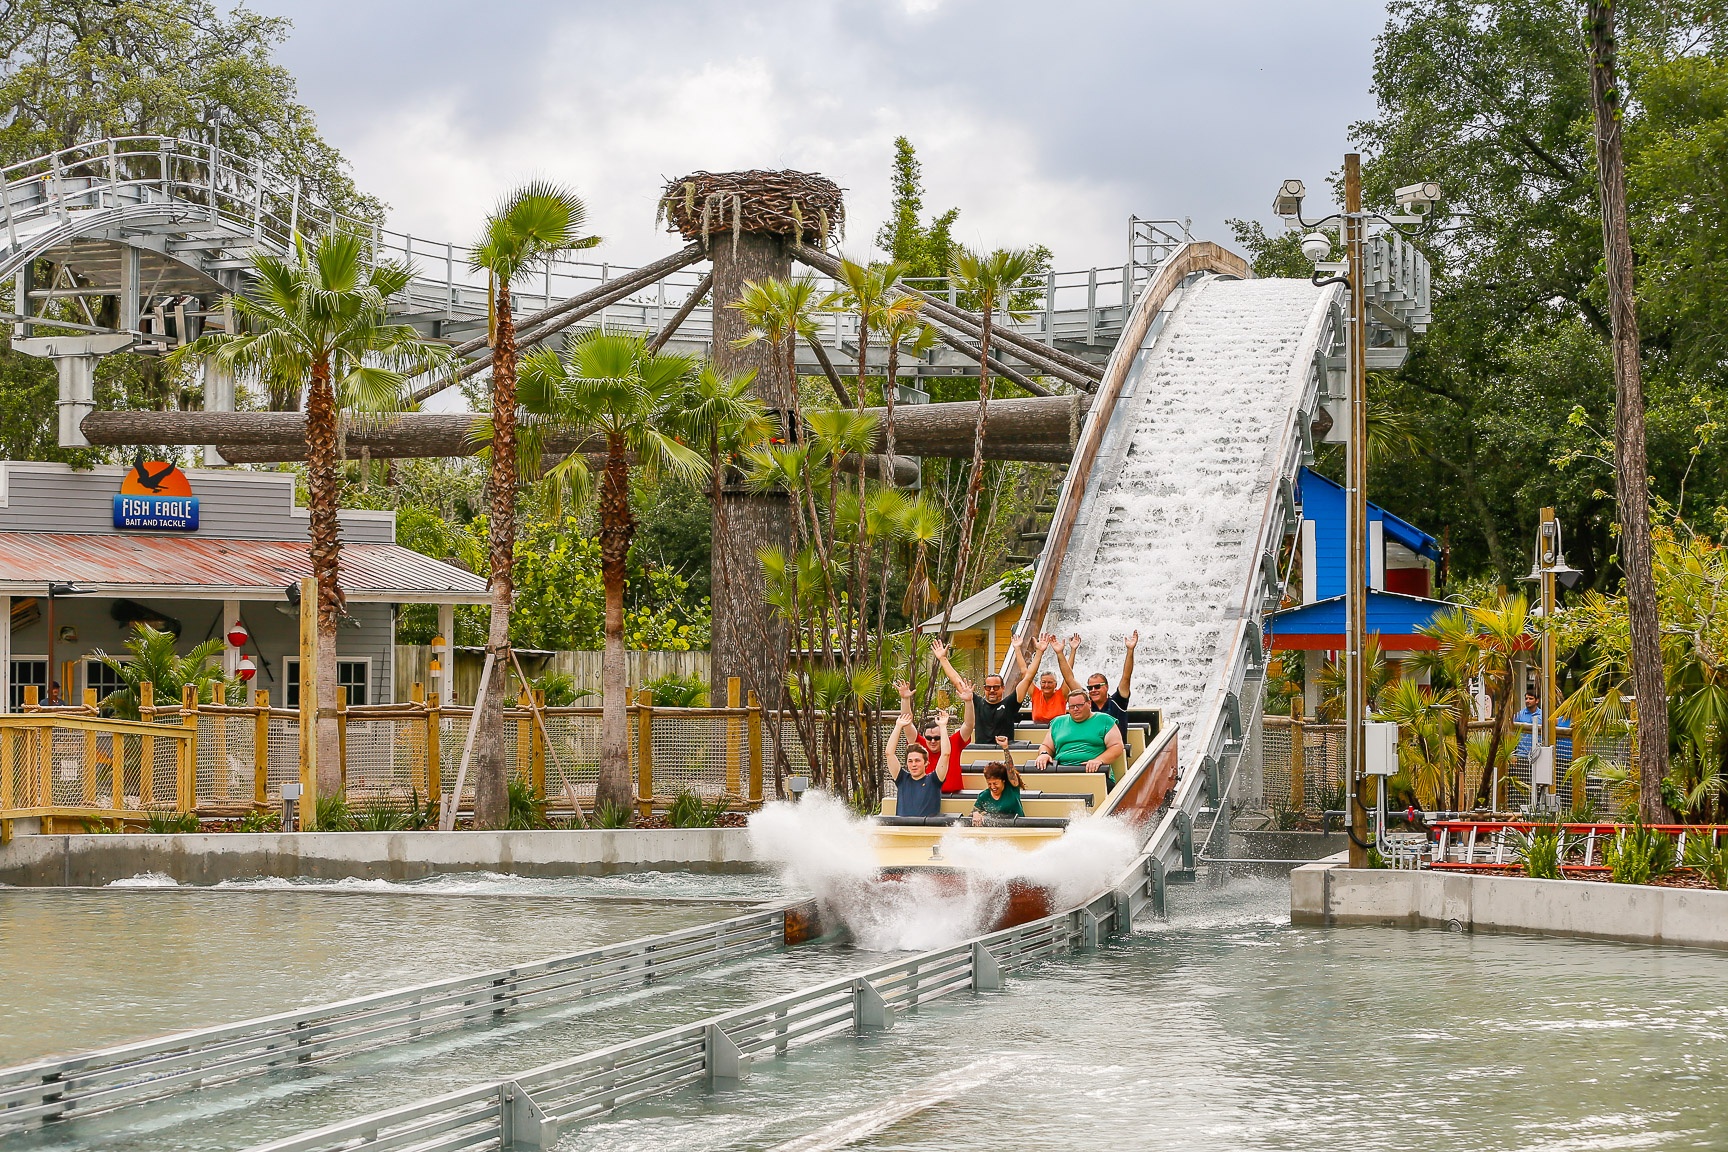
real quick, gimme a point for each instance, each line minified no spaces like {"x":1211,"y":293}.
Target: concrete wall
{"x":1329,"y":894}
{"x":50,"y":861}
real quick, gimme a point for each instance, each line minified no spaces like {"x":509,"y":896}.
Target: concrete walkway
{"x":209,"y":858}
{"x":1330,"y":894}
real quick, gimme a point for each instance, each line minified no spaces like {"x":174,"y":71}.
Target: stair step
{"x":1013,"y":559}
{"x":1035,"y":535}
{"x":1046,"y":509}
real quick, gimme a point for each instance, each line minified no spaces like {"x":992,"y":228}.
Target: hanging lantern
{"x":237,"y":635}
{"x":436,"y":668}
{"x":247,"y":669}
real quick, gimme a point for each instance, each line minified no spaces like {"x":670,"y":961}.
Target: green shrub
{"x":94,"y":826}
{"x":167,"y":822}
{"x":612,"y":816}
{"x":689,"y":811}
{"x":675,"y":691}
{"x":1541,"y":851}
{"x":1711,"y":860}
{"x":259,"y":820}
{"x":560,"y":689}
{"x":1638,"y":855}
{"x":380,"y":816}
{"x":333,"y":815}
{"x":527,"y":807}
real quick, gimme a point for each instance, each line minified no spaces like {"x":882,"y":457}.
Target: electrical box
{"x":1380,"y":748}
{"x":291,"y":791}
{"x":1542,"y":767}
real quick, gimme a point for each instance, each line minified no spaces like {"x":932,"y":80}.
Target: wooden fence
{"x":413,"y":665}
{"x":223,"y":760}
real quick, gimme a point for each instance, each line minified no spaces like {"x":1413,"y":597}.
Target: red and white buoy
{"x":246,"y":669}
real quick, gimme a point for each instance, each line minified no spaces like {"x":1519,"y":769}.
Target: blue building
{"x":1401,"y":559}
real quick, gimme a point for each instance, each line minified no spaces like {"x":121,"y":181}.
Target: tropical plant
{"x":167,"y":822}
{"x":1710,"y":858}
{"x":381,"y":816}
{"x":1638,"y":855}
{"x":610,"y":384}
{"x":782,"y":312}
{"x":1331,"y":677}
{"x":319,"y":318}
{"x":332,"y":813}
{"x":689,"y":810}
{"x":873,"y":293}
{"x":675,"y":691}
{"x":527,"y":807}
{"x":559,"y":689}
{"x":1542,"y":850}
{"x":610,"y":815}
{"x":155,"y":661}
{"x":1427,"y":752}
{"x":530,"y":226}
{"x":990,"y":280}
{"x":259,"y":820}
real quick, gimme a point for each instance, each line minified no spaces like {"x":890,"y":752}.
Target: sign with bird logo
{"x":155,"y":495}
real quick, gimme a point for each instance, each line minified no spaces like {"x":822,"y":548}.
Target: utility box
{"x":1380,"y":748}
{"x":1542,"y":767}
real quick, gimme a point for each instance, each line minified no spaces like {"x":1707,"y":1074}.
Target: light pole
{"x":1547,"y":565}
{"x":1351,"y":225}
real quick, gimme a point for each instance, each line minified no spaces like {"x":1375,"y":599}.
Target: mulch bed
{"x":1684,"y":878}
{"x":660,"y":820}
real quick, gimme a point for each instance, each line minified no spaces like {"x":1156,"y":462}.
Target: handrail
{"x":1192,"y":257}
{"x":127,"y":1074}
{"x":716,"y":1050}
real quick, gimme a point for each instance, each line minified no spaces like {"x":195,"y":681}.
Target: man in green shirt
{"x":998,"y":801}
{"x":1082,"y":738}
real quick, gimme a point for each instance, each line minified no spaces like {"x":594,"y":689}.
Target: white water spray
{"x":822,"y":848}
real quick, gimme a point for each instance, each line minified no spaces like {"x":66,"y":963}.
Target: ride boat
{"x":1057,"y":803}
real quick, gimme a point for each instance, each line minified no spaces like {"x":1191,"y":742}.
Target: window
{"x":104,"y":679}
{"x":28,"y":671}
{"x":354,"y":675}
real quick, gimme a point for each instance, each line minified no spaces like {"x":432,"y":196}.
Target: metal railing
{"x":530,"y":1109}
{"x":237,"y":204}
{"x":101,"y":1081}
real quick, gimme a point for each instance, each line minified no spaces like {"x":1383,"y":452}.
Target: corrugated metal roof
{"x":204,"y":568}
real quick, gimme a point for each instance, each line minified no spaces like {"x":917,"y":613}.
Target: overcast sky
{"x":1043,"y":121}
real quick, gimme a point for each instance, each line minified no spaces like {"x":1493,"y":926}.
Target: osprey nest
{"x":802,"y":205}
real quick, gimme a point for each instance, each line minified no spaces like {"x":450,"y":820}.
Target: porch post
{"x":5,"y":653}
{"x":230,"y":654}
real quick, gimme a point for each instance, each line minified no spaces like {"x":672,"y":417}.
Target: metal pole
{"x":1550,"y":554}
{"x":1356,"y":516}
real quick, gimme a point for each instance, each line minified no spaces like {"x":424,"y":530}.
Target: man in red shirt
{"x":936,"y":740}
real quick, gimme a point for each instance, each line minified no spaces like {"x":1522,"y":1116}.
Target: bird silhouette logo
{"x":154,"y":478}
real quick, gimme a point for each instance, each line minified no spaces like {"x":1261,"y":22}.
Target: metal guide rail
{"x":100,"y":1081}
{"x":529,"y":1110}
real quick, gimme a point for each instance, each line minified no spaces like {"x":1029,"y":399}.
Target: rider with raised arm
{"x":1098,"y":694}
{"x":917,"y":789}
{"x":939,"y":745}
{"x":996,"y":713}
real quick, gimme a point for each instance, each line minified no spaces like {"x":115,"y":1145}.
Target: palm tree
{"x":902,"y":328}
{"x":990,"y":280}
{"x":318,"y":318}
{"x":529,"y":226}
{"x":783,"y":312}
{"x":609,"y":383}
{"x":873,"y":292}
{"x":155,"y":660}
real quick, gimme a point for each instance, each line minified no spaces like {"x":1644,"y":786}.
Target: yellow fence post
{"x":1298,"y":757}
{"x":342,"y":734}
{"x":755,"y":725}
{"x":186,"y":798}
{"x":90,"y":753}
{"x":645,"y":752}
{"x":434,"y":775}
{"x":147,"y":746}
{"x":537,"y":748}
{"x":417,"y":768}
{"x":7,"y":799}
{"x":261,"y":747}
{"x":734,"y":733}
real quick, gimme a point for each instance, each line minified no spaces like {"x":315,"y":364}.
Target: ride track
{"x":1181,"y":491}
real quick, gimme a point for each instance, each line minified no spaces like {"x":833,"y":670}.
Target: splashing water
{"x":821,"y":847}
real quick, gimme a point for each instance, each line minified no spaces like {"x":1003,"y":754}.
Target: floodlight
{"x":1288,"y":202}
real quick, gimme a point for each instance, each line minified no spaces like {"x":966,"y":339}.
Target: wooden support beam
{"x":703,"y":287}
{"x":1035,"y":428}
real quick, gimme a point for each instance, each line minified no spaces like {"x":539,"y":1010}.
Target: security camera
{"x":1288,"y":202}
{"x":1316,"y":246}
{"x":1418,"y":199}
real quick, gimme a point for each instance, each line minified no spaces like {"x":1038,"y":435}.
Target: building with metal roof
{"x":194,"y":552}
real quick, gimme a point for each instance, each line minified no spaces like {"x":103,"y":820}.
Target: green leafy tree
{"x":611,"y":384}
{"x":320,"y":317}
{"x":925,"y":251}
{"x":530,"y":226}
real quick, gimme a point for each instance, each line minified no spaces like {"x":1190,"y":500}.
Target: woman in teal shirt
{"x":998,"y":801}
